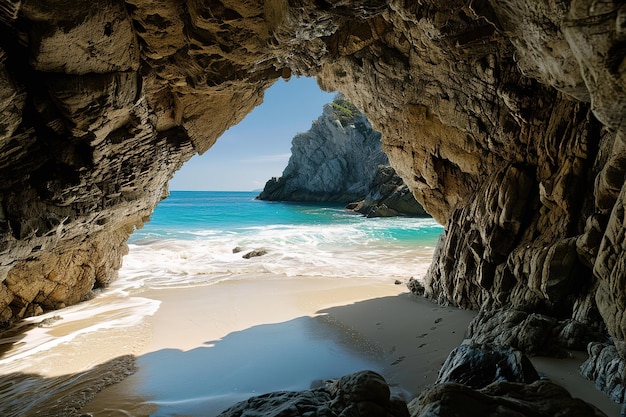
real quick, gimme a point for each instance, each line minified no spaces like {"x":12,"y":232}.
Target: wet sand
{"x":207,"y":347}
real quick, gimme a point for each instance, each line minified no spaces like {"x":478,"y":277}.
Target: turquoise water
{"x":188,"y":214}
{"x":200,"y":237}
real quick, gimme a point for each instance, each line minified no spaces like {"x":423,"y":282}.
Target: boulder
{"x":501,"y":399}
{"x":362,"y":394}
{"x":479,"y":366}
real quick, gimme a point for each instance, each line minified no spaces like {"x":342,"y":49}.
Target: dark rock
{"x":255,"y":253}
{"x":479,"y":366}
{"x":388,"y":196}
{"x":501,"y":399}
{"x":279,"y":404}
{"x":533,"y":334}
{"x":49,"y":321}
{"x":237,"y":249}
{"x":415,"y":287}
{"x":607,"y":368}
{"x":363,"y":394}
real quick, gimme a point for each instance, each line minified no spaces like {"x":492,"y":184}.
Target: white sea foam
{"x":311,"y":251}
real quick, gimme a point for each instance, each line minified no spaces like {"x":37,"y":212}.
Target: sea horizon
{"x":205,"y":234}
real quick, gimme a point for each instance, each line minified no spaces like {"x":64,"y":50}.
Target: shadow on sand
{"x":287,"y":356}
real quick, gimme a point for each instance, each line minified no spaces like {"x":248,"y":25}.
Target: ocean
{"x":178,"y":288}
{"x":201,"y":237}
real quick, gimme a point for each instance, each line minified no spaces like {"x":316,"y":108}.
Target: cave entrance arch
{"x":103,"y":101}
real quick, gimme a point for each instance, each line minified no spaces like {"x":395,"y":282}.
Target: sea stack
{"x":340,"y":159}
{"x":335,"y":160}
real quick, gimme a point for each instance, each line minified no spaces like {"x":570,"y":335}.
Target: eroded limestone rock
{"x":335,"y":160}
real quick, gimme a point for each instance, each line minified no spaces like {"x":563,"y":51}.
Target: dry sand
{"x":212,"y":346}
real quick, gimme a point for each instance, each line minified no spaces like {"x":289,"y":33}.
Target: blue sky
{"x":258,"y":148}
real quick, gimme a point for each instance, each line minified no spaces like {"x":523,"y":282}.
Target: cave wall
{"x":505,"y":118}
{"x":486,"y":115}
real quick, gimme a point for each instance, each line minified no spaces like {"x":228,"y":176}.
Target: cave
{"x":505,"y":119}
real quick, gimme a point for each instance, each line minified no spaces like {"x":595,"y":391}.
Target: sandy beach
{"x":216,"y":345}
{"x":207,"y":347}
{"x":212,"y":346}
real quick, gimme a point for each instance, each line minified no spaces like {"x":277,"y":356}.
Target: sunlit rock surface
{"x":335,"y":160}
{"x":505,"y":119}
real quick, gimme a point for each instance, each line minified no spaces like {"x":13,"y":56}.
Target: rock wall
{"x":504,"y":118}
{"x":335,"y":160}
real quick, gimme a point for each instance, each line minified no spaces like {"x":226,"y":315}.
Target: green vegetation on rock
{"x":345,"y":111}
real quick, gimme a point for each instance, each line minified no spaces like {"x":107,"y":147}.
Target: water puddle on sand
{"x":206,"y":380}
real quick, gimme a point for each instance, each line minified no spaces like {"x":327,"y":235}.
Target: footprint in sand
{"x":397,"y":361}
{"x":422,"y":345}
{"x":439,"y":320}
{"x":393,"y":349}
{"x":422,"y":335}
{"x":433,"y":328}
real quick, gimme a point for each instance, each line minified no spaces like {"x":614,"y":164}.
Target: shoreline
{"x":374,"y":322}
